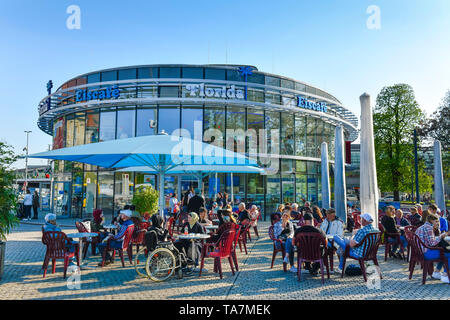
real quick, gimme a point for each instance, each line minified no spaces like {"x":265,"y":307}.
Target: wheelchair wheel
{"x":160,"y":264}
{"x":139,"y":263}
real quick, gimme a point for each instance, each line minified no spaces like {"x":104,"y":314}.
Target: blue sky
{"x":325,"y":43}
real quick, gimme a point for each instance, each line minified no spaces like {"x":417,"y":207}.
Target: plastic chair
{"x":86,"y":241}
{"x":125,"y":244}
{"x":235,"y":243}
{"x":418,"y":256}
{"x":370,"y":244}
{"x":138,"y":237}
{"x":242,"y":239}
{"x":222,"y":250}
{"x":56,"y":243}
{"x":276,"y":250}
{"x":409,"y":235}
{"x":311,"y":247}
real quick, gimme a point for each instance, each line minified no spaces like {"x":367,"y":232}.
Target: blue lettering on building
{"x":316,"y":106}
{"x":106,"y":93}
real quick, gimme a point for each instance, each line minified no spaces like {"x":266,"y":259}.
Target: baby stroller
{"x":162,"y":262}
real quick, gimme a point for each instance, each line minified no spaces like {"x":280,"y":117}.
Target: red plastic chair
{"x":86,"y":242}
{"x":138,"y":237}
{"x":409,"y":235}
{"x":125,"y":244}
{"x":357,"y":219}
{"x":418,"y":256}
{"x":242,"y":239}
{"x":222,"y":250}
{"x":276,"y":250}
{"x":56,"y":243}
{"x":388,"y":245}
{"x":235,"y":243}
{"x":370,"y":244}
{"x":311,"y":247}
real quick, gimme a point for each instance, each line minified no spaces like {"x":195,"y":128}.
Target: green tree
{"x":8,"y":198}
{"x":395,"y":116}
{"x":145,"y":199}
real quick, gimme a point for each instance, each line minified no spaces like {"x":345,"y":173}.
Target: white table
{"x":192,"y":237}
{"x":110,"y":226}
{"x":401,"y":228}
{"x":330,"y":237}
{"x":211,"y":227}
{"x":81,"y":235}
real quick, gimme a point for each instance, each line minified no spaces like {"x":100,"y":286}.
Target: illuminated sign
{"x":106,"y":93}
{"x":316,"y":106}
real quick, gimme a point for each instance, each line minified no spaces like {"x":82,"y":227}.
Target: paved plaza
{"x":23,"y":279}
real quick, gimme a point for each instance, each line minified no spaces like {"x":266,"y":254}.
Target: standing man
{"x":195,"y":202}
{"x":27,"y":204}
{"x":35,"y":204}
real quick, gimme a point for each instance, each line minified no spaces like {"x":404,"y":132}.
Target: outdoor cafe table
{"x":81,"y":235}
{"x":211,"y":227}
{"x":192,"y":237}
{"x":215,"y":221}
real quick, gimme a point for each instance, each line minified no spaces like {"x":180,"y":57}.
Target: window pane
{"x":168,"y":119}
{"x":320,"y":137}
{"x":144,"y":73}
{"x":90,"y":181}
{"x":168,"y":92}
{"x":235,"y":121}
{"x":92,"y":119}
{"x":109,"y":76}
{"x":301,"y":188}
{"x":215,"y":74}
{"x":148,"y":92}
{"x":273,"y":98}
{"x":125,"y":74}
{"x":234,"y":75}
{"x":256,"y":78}
{"x":125,"y":123}
{"x":271,"y":81}
{"x":77,"y":192}
{"x":107,"y":126}
{"x":255,"y":190}
{"x":299,"y":86}
{"x":167,"y":72}
{"x":192,"y":73}
{"x":300,"y":135}
{"x":80,"y":121}
{"x":123,"y":189}
{"x":93,"y":78}
{"x":255,"y":123}
{"x":188,"y":117}
{"x":58,"y":134}
{"x":287,"y":84}
{"x":287,"y":133}
{"x":255,"y":95}
{"x":273,"y":132}
{"x":105,"y":193}
{"x":214,"y":123}
{"x":288,"y":188}
{"x":312,"y":189}
{"x":311,"y":137}
{"x":273,"y":193}
{"x":146,"y":122}
{"x":69,"y":130}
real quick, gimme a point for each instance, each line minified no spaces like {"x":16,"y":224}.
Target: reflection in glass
{"x":288,"y":188}
{"x":79,"y":129}
{"x":188,"y":117}
{"x":123,"y":189}
{"x":168,"y":119}
{"x":192,"y":73}
{"x":105,"y":193}
{"x":125,"y":123}
{"x":287,"y":133}
{"x":301,"y":188}
{"x":92,"y":120}
{"x":214,"y":119}
{"x":90,"y":183}
{"x":169,"y":72}
{"x":311,"y":137}
{"x":273,"y":193}
{"x":235,"y":140}
{"x":300,"y":135}
{"x":69,"y":130}
{"x":146,"y":122}
{"x":255,"y":190}
{"x":107,"y":125}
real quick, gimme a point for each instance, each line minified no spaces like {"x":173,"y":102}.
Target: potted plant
{"x":145,"y":200}
{"x":8,"y":199}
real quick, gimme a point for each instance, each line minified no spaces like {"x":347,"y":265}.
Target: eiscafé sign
{"x":316,"y":106}
{"x":199,"y":90}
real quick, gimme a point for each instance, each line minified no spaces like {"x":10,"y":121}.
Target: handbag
{"x":353,"y":270}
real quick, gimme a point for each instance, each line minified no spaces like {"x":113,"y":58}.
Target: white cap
{"x":128,"y":213}
{"x":367,"y":217}
{"x":50,"y":217}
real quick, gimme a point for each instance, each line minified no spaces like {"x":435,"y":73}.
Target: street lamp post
{"x":26,"y":163}
{"x":416,"y":167}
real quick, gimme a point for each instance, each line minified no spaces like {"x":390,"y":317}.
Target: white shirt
{"x":172,"y":202}
{"x":28,"y":200}
{"x":336,"y":228}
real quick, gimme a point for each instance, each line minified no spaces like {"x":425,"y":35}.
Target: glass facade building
{"x":210,"y":102}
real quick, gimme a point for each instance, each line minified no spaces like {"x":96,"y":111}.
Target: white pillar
{"x":232,"y":194}
{"x":325,"y":177}
{"x":368,"y":177}
{"x":340,"y":194}
{"x":162,"y":202}
{"x":439,"y":194}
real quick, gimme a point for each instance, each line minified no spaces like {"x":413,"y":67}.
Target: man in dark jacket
{"x":195,"y":203}
{"x":307,"y":228}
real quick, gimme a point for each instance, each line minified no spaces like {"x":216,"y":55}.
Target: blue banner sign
{"x":106,"y":93}
{"x":316,"y":106}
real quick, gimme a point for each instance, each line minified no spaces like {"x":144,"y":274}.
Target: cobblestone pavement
{"x":23,"y":279}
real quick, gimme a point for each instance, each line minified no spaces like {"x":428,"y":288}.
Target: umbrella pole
{"x":232,"y":194}
{"x":161,"y":194}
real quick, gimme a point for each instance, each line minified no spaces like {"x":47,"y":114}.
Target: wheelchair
{"x":160,"y":264}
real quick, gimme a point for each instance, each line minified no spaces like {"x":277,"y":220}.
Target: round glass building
{"x":285,"y":118}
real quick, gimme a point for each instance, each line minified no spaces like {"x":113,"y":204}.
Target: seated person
{"x":388,"y":222}
{"x":332,"y":225}
{"x":415,"y":217}
{"x":203,"y":217}
{"x":50,"y":225}
{"x":254,"y":213}
{"x":284,"y":230}
{"x":295,"y":214}
{"x":146,"y":217}
{"x":226,"y":221}
{"x":443,"y":224}
{"x":191,"y":226}
{"x":426,"y":234}
{"x":116,"y":240}
{"x":307,"y":228}
{"x":317,"y":215}
{"x":243,"y":215}
{"x":367,"y":227}
{"x":97,"y":221}
{"x":156,"y":233}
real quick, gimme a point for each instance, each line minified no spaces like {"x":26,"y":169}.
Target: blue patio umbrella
{"x":160,"y":152}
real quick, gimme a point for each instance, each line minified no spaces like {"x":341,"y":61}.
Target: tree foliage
{"x":145,"y":199}
{"x":395,"y":116}
{"x":8,"y":198}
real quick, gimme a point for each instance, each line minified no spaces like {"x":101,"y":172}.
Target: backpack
{"x":353,"y":270}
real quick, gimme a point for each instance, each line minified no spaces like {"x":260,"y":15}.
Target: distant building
{"x":39,"y":178}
